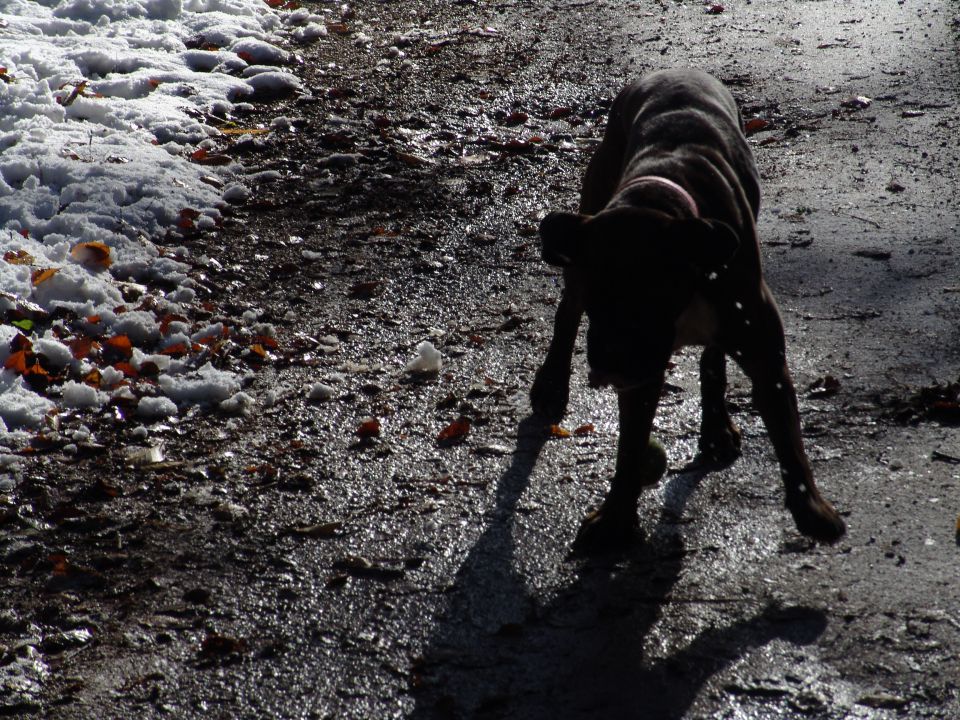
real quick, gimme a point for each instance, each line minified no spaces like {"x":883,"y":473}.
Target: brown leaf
{"x":319,"y":530}
{"x":80,"y":347}
{"x":17,"y":362}
{"x":244,"y":131}
{"x":203,"y":157}
{"x":18,"y":257}
{"x":455,"y":431}
{"x":20,"y":342}
{"x":175,"y":350}
{"x":823,"y":387}
{"x":216,"y":645}
{"x":92,"y":253}
{"x":127,"y":369}
{"x":365,"y":289}
{"x":121,"y":345}
{"x":169,"y":318}
{"x":77,"y":91}
{"x":586,"y":429}
{"x":755,"y":125}
{"x":368,"y":428}
{"x":40,"y":276}
{"x":559,"y":432}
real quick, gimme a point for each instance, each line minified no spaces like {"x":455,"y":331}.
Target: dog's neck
{"x":663,"y":182}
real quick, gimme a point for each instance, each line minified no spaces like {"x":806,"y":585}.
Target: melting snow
{"x":102,"y":103}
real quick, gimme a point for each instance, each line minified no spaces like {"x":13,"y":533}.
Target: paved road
{"x":448,"y":591}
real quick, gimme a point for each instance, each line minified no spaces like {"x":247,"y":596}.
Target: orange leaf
{"x":559,"y":432}
{"x":120,"y":344}
{"x":258,"y":349}
{"x":457,"y":430}
{"x":93,"y":319}
{"x":266,"y":341}
{"x":36,"y":369}
{"x":17,"y":362}
{"x":755,"y":125}
{"x":18,"y":257}
{"x":127,"y":369}
{"x":93,"y":378}
{"x":92,"y":253}
{"x":369,"y":428}
{"x":40,"y":276}
{"x":170,"y":318}
{"x":175,"y":350}
{"x":80,"y":347}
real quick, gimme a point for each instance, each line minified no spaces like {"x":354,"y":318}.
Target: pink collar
{"x":657,"y":180}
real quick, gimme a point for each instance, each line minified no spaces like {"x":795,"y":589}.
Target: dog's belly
{"x":697,"y":325}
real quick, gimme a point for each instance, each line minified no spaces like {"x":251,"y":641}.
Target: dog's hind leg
{"x":719,"y":436}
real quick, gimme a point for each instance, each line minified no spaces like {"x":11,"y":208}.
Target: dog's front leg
{"x":551,"y":386}
{"x":719,"y":436}
{"x":640,"y":463}
{"x":763,"y":359}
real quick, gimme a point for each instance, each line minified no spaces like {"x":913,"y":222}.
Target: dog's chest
{"x":697,"y":325}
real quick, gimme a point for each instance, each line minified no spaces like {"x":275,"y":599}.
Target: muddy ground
{"x":277,"y":565}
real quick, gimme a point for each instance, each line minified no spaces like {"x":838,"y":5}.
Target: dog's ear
{"x":708,"y":244}
{"x":559,"y":235}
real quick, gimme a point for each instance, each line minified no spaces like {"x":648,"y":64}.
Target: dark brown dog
{"x":663,"y":254}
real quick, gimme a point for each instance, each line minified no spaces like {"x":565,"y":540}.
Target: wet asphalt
{"x":291,"y":569}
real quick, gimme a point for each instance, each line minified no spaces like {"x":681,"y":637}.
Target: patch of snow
{"x":428,"y":360}
{"x":103,"y":103}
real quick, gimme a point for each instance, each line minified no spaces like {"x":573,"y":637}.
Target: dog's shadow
{"x":497,"y":652}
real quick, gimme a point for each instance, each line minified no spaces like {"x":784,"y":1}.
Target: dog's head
{"x":639,"y":270}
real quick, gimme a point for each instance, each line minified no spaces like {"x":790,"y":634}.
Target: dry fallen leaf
{"x":16,"y":361}
{"x":18,"y":257}
{"x":755,"y":125}
{"x":365,"y":289}
{"x":457,"y":430}
{"x":121,"y":345}
{"x":559,"y":432}
{"x":319,"y":530}
{"x":203,"y":157}
{"x":823,"y":387}
{"x":368,"y":428}
{"x":586,"y":429}
{"x":215,"y":645}
{"x":40,"y":276}
{"x":80,"y":347}
{"x":91,"y":253}
{"x":244,"y":131}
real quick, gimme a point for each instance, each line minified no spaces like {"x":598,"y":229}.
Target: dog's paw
{"x":550,"y":394}
{"x":815,"y":517}
{"x":605,"y":531}
{"x":720,"y":446}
